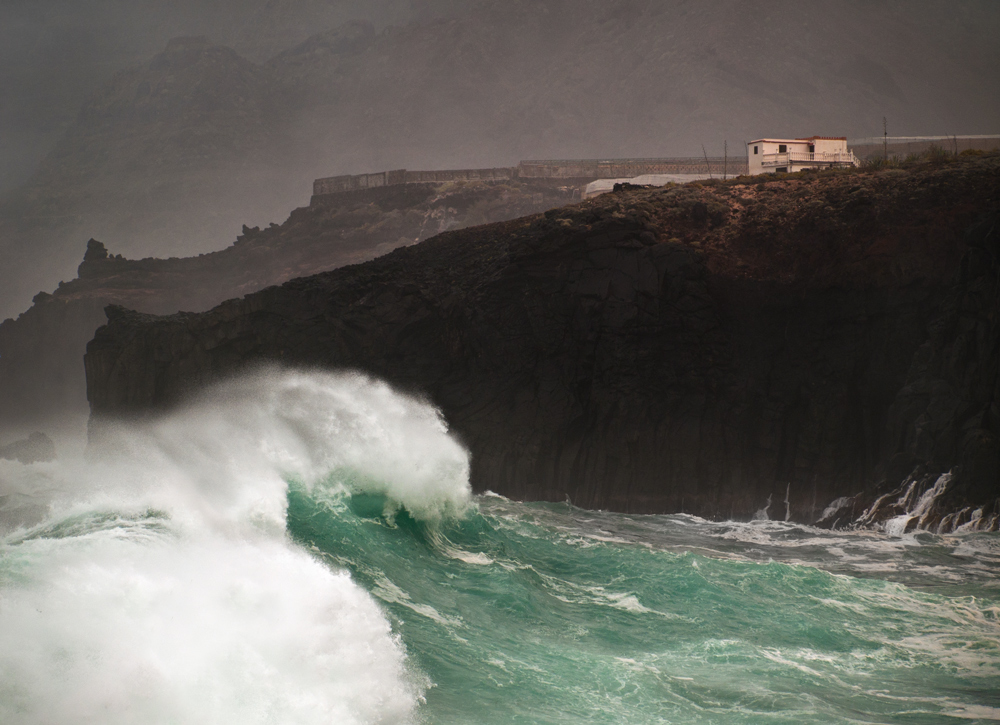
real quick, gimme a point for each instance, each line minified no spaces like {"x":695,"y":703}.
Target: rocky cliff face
{"x":718,"y":349}
{"x":41,"y":352}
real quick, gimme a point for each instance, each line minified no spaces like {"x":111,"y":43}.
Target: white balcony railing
{"x":805,"y":157}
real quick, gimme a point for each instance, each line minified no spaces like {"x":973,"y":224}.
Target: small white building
{"x":785,"y":155}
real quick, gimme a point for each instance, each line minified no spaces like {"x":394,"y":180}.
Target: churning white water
{"x":157,"y":583}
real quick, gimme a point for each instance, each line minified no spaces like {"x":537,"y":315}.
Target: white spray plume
{"x":161,"y":585}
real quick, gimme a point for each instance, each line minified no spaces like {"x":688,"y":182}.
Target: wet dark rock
{"x":945,"y":416}
{"x":96,"y":251}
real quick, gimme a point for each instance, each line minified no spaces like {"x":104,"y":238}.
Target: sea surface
{"x":303,"y":547}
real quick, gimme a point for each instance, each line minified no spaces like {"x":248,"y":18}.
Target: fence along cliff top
{"x":576,"y":172}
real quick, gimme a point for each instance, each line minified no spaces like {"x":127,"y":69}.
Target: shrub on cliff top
{"x":936,"y":154}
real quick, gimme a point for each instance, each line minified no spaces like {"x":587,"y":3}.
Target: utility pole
{"x":725,"y":159}
{"x":885,"y":140}
{"x":708,"y":166}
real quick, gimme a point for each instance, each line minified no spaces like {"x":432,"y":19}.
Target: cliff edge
{"x":765,"y":345}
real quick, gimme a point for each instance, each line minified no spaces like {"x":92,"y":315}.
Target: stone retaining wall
{"x":574,"y":171}
{"x":337,"y":184}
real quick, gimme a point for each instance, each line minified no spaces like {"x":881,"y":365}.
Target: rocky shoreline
{"x":703,"y":348}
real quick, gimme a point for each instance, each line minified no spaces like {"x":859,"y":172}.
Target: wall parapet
{"x":354,"y":182}
{"x":570,"y":169}
{"x":625,"y":168}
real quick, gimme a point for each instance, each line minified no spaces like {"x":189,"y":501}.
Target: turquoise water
{"x":304,"y":548}
{"x":540,"y":613}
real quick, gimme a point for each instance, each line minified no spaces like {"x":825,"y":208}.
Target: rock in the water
{"x":36,"y":448}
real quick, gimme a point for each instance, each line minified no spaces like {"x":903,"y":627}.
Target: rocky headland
{"x":41,"y":351}
{"x":765,"y":345}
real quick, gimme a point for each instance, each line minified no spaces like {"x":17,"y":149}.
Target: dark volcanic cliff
{"x":706,"y":348}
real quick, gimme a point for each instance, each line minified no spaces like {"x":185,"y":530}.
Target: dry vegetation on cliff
{"x":851,"y":227}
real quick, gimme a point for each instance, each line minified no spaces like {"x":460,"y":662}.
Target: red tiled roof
{"x":823,"y":138}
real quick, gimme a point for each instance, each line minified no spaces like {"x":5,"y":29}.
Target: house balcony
{"x":819,"y":158}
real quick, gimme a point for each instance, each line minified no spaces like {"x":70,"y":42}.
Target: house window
{"x":781,"y":170}
{"x":782,"y":148}
{"x":755,"y":149}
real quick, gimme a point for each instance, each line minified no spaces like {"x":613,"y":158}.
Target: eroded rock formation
{"x":41,"y":352}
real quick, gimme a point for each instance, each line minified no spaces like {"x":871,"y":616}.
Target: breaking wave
{"x":157,"y":583}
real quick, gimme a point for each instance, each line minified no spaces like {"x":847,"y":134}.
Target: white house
{"x":781,"y":155}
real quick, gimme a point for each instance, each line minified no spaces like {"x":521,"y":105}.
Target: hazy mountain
{"x":55,"y":53}
{"x":173,"y":155}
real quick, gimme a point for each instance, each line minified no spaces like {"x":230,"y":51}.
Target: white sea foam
{"x":389,"y":592}
{"x":157,"y":583}
{"x":898,"y":525}
{"x":105,"y":629}
{"x":834,"y":507}
{"x":973,"y":712}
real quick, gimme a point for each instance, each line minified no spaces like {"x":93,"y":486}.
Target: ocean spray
{"x":157,"y":583}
